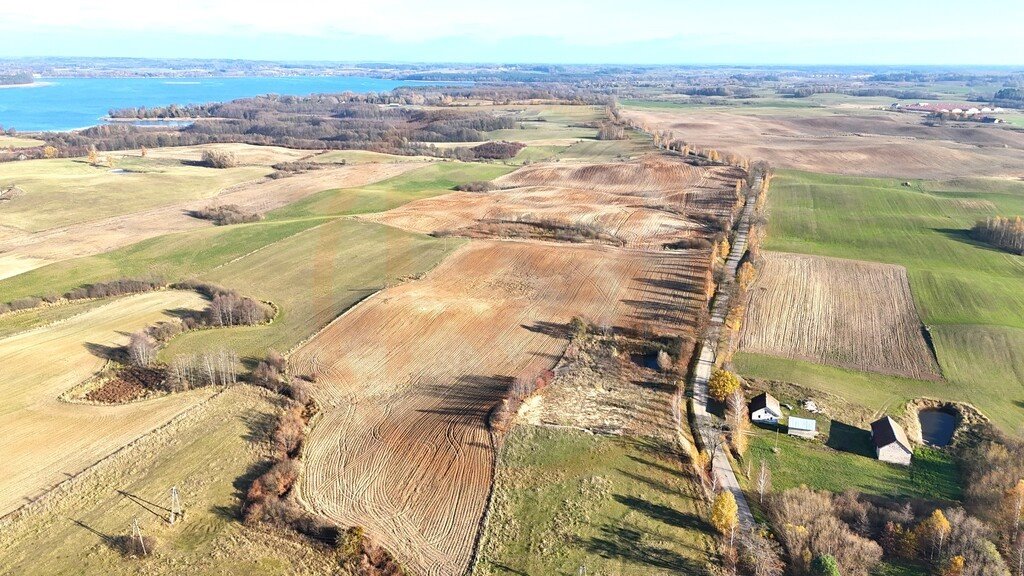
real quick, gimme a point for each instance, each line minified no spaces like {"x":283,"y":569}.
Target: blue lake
{"x":69,"y":103}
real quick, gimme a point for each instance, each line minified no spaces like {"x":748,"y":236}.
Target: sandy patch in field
{"x":43,"y":441}
{"x":26,"y":252}
{"x":846,"y":313}
{"x":879,"y":144}
{"x":407,"y":378}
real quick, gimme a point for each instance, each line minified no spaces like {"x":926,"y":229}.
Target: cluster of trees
{"x":611,"y":131}
{"x":226,"y":214}
{"x":1004,"y":233}
{"x":119,"y":287}
{"x":854,"y":533}
{"x":1009,"y":97}
{"x":476,"y":186}
{"x":18,"y":78}
{"x":188,"y":371}
{"x":497,"y":150}
{"x":227,"y":307}
{"x":315,"y":122}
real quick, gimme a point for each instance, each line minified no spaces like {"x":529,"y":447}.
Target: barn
{"x":765,"y":408}
{"x":891,"y":444}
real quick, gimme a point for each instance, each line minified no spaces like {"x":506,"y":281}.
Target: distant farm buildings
{"x":891,"y":444}
{"x":802,"y":427}
{"x":765,"y":408}
{"x":954,"y":108}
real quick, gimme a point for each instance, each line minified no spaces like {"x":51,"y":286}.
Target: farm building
{"x":765,"y":408}
{"x":802,"y":427}
{"x":891,"y":444}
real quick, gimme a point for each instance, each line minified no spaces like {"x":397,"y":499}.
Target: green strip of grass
{"x":431,"y":180}
{"x":565,"y":499}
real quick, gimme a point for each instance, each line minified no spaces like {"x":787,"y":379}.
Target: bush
{"x":219,"y":159}
{"x":477,"y":186}
{"x":25,"y":303}
{"x":226,"y":215}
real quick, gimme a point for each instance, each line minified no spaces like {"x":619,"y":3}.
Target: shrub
{"x":219,"y":159}
{"x":477,"y":186}
{"x":226,"y":215}
{"x":497,"y":150}
{"x":289,"y":432}
{"x":25,"y":303}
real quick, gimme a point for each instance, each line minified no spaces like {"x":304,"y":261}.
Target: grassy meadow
{"x":970,"y":295}
{"x":211,"y":457}
{"x":15,"y":142}
{"x":931,"y":476}
{"x":69,"y":190}
{"x":566,"y":499}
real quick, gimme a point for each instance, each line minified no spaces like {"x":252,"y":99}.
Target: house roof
{"x":885,"y":431}
{"x":765,"y":401}
{"x":802,"y":424}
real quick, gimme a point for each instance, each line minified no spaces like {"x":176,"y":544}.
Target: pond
{"x":937,"y":426}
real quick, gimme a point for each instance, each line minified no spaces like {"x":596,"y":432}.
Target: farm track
{"x":846,"y":313}
{"x":19,"y":254}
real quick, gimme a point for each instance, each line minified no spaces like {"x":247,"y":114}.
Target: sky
{"x":535,"y":31}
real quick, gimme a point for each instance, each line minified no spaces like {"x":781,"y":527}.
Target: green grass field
{"x":65,"y":191}
{"x":313,"y":277}
{"x":367,"y":157}
{"x":16,"y":142}
{"x":566,"y":499}
{"x":430,"y":180}
{"x":211,"y":458}
{"x":847,"y":462}
{"x":970,"y":295}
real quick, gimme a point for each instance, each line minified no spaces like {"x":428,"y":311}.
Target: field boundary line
{"x":67,"y":485}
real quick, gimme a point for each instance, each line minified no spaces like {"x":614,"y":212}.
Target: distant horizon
{"x":378,"y":61}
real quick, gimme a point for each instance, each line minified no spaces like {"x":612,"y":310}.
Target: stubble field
{"x":842,"y":312}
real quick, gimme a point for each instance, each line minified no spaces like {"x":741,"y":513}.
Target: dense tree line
{"x":1004,"y":233}
{"x":17,"y":78}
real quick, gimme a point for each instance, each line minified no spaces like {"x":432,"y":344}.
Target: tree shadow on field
{"x":665,"y":514}
{"x":112,"y":353}
{"x":470,"y":400}
{"x":846,"y":438}
{"x":241,"y":486}
{"x":619,"y":543}
{"x":553,"y":329}
{"x":963,"y":235}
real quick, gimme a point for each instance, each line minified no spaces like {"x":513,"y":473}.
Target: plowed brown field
{"x":21,"y":253}
{"x":406,"y":380}
{"x":843,"y":312}
{"x":43,"y":440}
{"x":644,"y":204}
{"x":868,"y":143}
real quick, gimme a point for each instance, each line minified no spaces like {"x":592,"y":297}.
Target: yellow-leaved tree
{"x":722,"y":384}
{"x":725,"y":514}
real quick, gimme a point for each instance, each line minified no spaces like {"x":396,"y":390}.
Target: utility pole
{"x":137,"y":535}
{"x":175,"y":505}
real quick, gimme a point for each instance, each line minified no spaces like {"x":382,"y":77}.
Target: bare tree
{"x":141,"y":349}
{"x":764,"y":481}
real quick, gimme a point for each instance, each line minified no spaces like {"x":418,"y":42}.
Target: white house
{"x":765,"y":408}
{"x":802,"y":427}
{"x":891,"y":444}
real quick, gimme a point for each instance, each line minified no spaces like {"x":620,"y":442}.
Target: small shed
{"x":891,"y":444}
{"x":765,"y":408}
{"x":802,"y":427}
